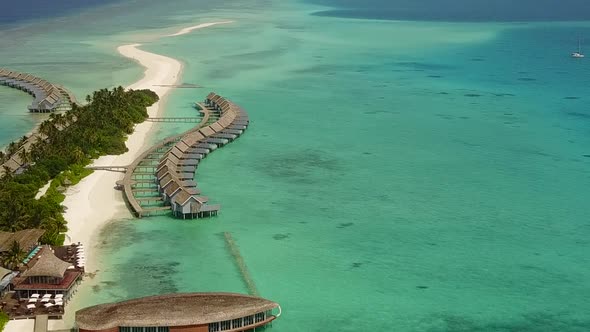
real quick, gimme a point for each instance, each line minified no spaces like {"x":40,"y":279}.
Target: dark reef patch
{"x":586,"y":155}
{"x":472,"y":95}
{"x":301,"y":167}
{"x":356,"y":265}
{"x":345,"y":224}
{"x":527,"y":79}
{"x":281,"y":236}
{"x":504,"y":94}
{"x":578,"y":115}
{"x":571,"y":98}
{"x":423,"y":65}
{"x":530,"y":322}
{"x":434,"y":76}
{"x":422,"y":287}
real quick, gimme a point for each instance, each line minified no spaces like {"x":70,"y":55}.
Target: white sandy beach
{"x":94,"y":202}
{"x":184,"y":31}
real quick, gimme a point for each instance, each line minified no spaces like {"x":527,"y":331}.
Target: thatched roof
{"x":46,"y":264}
{"x":182,"y":197}
{"x":4,"y":272}
{"x":172,"y":189}
{"x":172,"y":310}
{"x":26,"y":239}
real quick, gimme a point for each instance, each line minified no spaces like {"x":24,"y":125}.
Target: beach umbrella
{"x":47,"y":296}
{"x":59,"y":303}
{"x":47,"y":305}
{"x":59,"y":296}
{"x":35,"y":295}
{"x":45,"y":300}
{"x":31,"y":306}
{"x":32,"y":300}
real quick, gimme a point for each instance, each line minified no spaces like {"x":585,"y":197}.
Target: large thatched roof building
{"x":194,"y":312}
{"x":47,"y":274}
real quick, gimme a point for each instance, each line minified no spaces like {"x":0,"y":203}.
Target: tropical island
{"x":71,"y":140}
{"x":32,"y":225}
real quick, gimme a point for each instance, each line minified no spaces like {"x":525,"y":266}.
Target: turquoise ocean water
{"x":397,"y":176}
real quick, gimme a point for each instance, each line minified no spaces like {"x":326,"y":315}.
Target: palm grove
{"x":69,"y":141}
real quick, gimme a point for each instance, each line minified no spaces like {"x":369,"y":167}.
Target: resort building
{"x":191,"y":312}
{"x":27,"y":239}
{"x":47,"y":274}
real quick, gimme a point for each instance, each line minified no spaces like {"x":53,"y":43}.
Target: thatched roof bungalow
{"x":47,"y":274}
{"x":180,"y":313}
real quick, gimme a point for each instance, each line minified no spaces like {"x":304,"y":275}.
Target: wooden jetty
{"x":174,"y":119}
{"x":167,"y":169}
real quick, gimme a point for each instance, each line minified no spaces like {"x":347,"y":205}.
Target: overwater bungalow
{"x":191,"y":312}
{"x":187,"y":205}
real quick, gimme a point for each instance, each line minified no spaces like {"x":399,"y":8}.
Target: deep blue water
{"x":23,"y":10}
{"x":459,"y":10}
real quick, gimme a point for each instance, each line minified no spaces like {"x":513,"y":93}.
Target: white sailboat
{"x":579,"y":53}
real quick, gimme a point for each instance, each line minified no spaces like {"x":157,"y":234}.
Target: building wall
{"x":114,"y":329}
{"x":198,"y":328}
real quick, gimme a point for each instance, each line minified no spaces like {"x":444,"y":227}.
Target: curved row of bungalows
{"x":176,"y":170}
{"x":48,"y":97}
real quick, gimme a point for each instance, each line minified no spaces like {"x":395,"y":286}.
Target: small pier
{"x":121,"y":169}
{"x":161,"y":179}
{"x":177,"y":119}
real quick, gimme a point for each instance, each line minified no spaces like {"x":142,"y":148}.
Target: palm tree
{"x":14,"y":256}
{"x":24,"y":155}
{"x":7,"y":173}
{"x":12,"y":148}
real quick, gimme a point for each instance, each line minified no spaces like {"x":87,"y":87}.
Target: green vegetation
{"x":3,"y":320}
{"x":14,"y":256}
{"x":71,"y":140}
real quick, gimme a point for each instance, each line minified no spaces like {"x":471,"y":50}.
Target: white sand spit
{"x":200,"y":26}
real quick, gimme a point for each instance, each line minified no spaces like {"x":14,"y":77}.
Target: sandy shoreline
{"x":93,"y":202}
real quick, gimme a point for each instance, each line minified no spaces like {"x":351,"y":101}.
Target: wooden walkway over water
{"x":175,"y":119}
{"x":161,"y":179}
